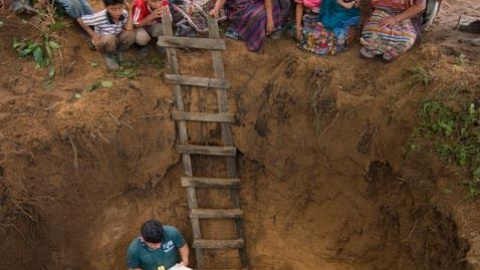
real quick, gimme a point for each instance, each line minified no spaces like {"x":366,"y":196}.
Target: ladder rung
{"x":215,"y":213}
{"x":207,"y":150}
{"x":197,"y":81}
{"x":233,"y":183}
{"x":218,"y":244}
{"x":203,"y":117}
{"x":194,"y":43}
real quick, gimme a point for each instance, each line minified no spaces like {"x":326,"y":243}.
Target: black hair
{"x":152,"y":231}
{"x":113,"y":2}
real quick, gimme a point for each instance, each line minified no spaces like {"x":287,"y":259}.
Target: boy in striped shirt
{"x":113,"y":30}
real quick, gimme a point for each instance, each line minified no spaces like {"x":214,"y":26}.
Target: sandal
{"x":475,"y":42}
{"x":387,"y":58}
{"x":366,"y":53}
{"x":277,"y":33}
{"x":232,"y":34}
{"x":473,"y":27}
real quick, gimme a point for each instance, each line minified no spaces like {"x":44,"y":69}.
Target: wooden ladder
{"x":189,"y":181}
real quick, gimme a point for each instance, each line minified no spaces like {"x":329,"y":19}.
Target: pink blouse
{"x":310,"y":3}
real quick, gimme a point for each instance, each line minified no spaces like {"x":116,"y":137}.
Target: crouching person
{"x":113,"y":30}
{"x":147,"y":21}
{"x":158,"y":247}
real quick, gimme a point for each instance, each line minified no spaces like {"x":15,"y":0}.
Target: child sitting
{"x":335,"y":27}
{"x":147,"y":20}
{"x":113,"y":30}
{"x":306,"y":11}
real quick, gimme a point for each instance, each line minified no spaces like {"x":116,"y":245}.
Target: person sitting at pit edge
{"x":113,"y":30}
{"x":147,"y":20}
{"x":157,"y":248}
{"x":73,"y":8}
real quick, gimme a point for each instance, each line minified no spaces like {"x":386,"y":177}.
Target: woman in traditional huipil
{"x":392,"y":29}
{"x":253,"y":20}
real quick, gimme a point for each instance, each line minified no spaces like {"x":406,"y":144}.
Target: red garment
{"x":140,"y":10}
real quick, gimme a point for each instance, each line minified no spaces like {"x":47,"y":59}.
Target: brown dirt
{"x":326,"y":182}
{"x":445,"y":33}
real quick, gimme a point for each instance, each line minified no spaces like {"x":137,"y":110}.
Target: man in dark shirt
{"x":157,"y":248}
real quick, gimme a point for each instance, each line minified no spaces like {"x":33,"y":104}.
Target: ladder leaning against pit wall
{"x":180,"y":116}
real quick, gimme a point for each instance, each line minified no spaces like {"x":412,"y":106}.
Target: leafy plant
{"x":460,"y":59}
{"x":42,"y":53}
{"x":97,"y":85}
{"x":472,"y":187}
{"x":94,"y":64}
{"x":127,"y":69}
{"x":24,"y":48}
{"x":42,"y":50}
{"x":58,"y":25}
{"x":438,"y":118}
{"x":48,"y":84}
{"x":455,"y":136}
{"x":128,"y":73}
{"x":420,"y":75}
{"x":157,"y":62}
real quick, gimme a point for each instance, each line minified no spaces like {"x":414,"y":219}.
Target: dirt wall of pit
{"x":326,"y":183}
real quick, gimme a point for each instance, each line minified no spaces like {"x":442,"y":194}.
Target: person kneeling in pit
{"x":113,"y":30}
{"x":147,"y":20}
{"x":157,"y":248}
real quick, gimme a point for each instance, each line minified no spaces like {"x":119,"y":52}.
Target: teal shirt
{"x":141,"y":256}
{"x":332,"y":14}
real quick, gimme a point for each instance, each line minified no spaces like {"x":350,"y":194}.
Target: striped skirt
{"x":393,"y":41}
{"x":251,"y":21}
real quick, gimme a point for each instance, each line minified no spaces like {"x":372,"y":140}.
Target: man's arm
{"x":184,"y":251}
{"x":216,"y":9}
{"x":95,"y":37}
{"x":269,"y":10}
{"x":411,"y":12}
{"x":298,"y":19}
{"x":133,"y":259}
{"x":129,"y":24}
{"x":157,"y":13}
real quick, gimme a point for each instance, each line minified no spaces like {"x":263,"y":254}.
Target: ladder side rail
{"x":219,"y":73}
{"x":222,"y":96}
{"x":182,"y":131}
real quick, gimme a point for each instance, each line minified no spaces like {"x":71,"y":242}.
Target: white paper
{"x":179,"y":267}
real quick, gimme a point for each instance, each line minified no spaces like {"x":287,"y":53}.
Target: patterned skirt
{"x":393,"y":41}
{"x":318,"y":40}
{"x":250,"y":21}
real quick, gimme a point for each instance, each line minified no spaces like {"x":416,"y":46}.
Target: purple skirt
{"x":249,"y":19}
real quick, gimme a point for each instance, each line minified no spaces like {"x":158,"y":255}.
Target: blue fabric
{"x":332,"y":14}
{"x":341,"y":31}
{"x":75,"y":8}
